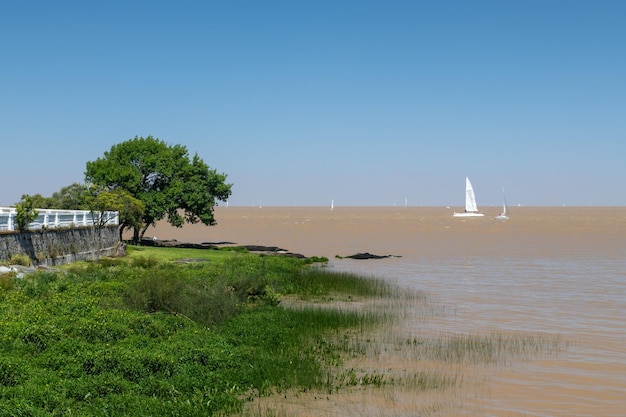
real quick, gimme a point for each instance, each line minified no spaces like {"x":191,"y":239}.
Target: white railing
{"x":50,"y":219}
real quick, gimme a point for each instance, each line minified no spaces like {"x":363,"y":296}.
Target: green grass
{"x":144,"y":335}
{"x":172,"y":254}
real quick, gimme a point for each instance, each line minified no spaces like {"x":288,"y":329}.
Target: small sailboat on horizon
{"x":505,"y":212}
{"x":471,"y":209}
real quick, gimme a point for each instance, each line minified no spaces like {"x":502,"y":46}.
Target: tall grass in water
{"x":327,"y":284}
{"x":497,"y":348}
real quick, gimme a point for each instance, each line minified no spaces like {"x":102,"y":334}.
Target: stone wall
{"x":60,"y":246}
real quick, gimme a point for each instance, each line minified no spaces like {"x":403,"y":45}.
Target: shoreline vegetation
{"x":187,"y":331}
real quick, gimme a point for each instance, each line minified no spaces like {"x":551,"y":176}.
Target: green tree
{"x":71,"y":197}
{"x":25,"y":213}
{"x":129,"y":208}
{"x":37,"y":200}
{"x":164,"y":179}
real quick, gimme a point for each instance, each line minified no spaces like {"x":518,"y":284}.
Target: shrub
{"x":145,"y":262}
{"x":164,"y":289}
{"x":6,"y":281}
{"x":25,"y":213}
{"x":39,"y":337}
{"x":20,"y":259}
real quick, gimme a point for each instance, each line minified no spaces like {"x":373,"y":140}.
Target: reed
{"x":498,"y":348}
{"x":323,"y":282}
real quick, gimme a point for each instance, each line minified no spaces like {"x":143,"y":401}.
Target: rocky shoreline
{"x":260,"y":249}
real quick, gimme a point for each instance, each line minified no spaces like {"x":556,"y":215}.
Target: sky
{"x":299,"y":103}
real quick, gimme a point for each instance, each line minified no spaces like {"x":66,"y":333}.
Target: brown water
{"x":559,"y":271}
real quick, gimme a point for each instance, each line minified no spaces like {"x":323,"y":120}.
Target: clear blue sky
{"x":301,"y":102}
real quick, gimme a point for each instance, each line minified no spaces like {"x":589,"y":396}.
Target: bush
{"x":6,"y":281}
{"x":164,"y":289}
{"x":20,"y":259}
{"x":25,"y":213}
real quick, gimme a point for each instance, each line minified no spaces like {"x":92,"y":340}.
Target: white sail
{"x":505,"y":212}
{"x":471,"y":209}
{"x":470,"y":197}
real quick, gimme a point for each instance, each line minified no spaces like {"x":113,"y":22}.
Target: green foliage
{"x":161,"y":338}
{"x":130,"y":209}
{"x":163,"y":178}
{"x":71,"y":197}
{"x":11,"y":371}
{"x":38,"y":200}
{"x":317,"y":259}
{"x":144,"y":261}
{"x":25,"y":213}
{"x":6,"y":281}
{"x":20,"y":259}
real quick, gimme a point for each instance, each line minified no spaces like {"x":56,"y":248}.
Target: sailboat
{"x":505,"y":212}
{"x":471,"y":210}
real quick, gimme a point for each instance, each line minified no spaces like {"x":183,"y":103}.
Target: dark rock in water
{"x":367,"y":255}
{"x":272,"y":250}
{"x":217,"y":243}
{"x":260,"y":248}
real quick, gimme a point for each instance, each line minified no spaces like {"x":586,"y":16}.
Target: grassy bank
{"x":171,"y":332}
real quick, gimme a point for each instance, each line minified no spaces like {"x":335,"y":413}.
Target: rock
{"x":272,"y":250}
{"x":367,"y":255}
{"x":260,"y":248}
{"x":6,"y":269}
{"x":18,"y":270}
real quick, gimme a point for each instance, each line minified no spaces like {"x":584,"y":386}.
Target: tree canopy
{"x":71,"y":197}
{"x":164,"y":179}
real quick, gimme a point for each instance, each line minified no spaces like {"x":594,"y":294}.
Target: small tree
{"x":130,"y":209}
{"x":26,"y":213}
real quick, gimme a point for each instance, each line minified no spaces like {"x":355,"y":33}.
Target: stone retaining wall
{"x":60,"y":246}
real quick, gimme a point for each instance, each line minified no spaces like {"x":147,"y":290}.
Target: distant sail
{"x":505,"y":212}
